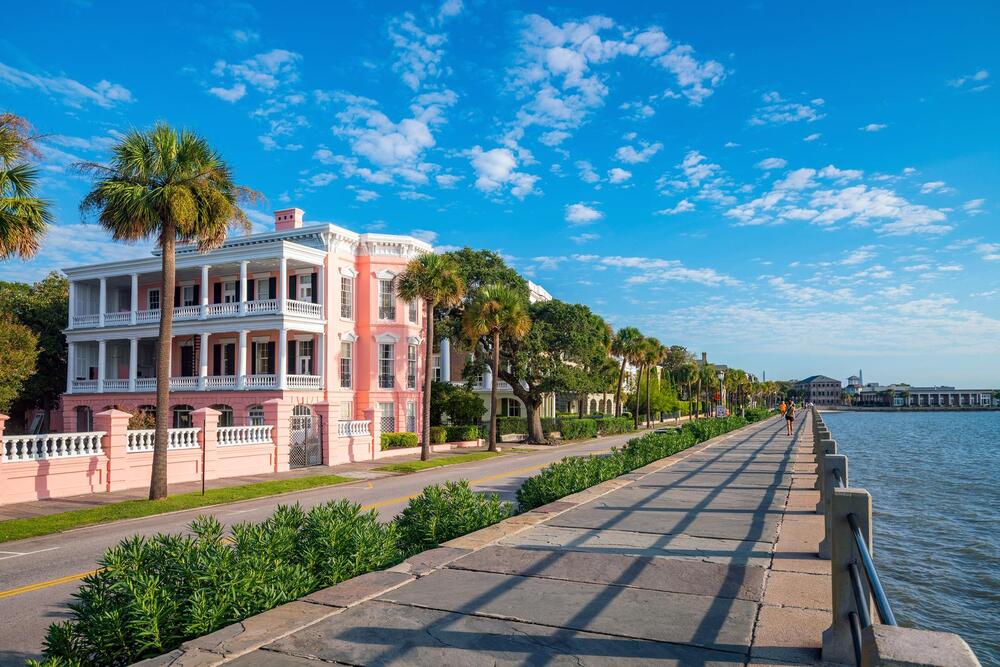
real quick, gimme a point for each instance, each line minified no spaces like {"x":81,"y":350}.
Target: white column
{"x":445,"y":360}
{"x":318,"y":356}
{"x":133,"y":361}
{"x":135,"y":297}
{"x":72,"y":303}
{"x":70,"y":361}
{"x":320,"y":289}
{"x":102,"y":299}
{"x":282,"y":353}
{"x":102,"y":355}
{"x":487,"y":378}
{"x":241,"y":362}
{"x":282,"y":284}
{"x":204,"y":291}
{"x":243,"y":287}
{"x":203,"y":361}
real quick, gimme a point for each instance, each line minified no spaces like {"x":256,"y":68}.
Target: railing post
{"x":328,"y":431}
{"x":114,"y":423}
{"x":837,"y":644}
{"x":376,"y":430}
{"x":823,"y":449}
{"x":830,"y":463}
{"x":206,"y":420}
{"x":279,"y":414}
{"x":3,"y":448}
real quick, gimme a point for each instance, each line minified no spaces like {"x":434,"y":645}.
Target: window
{"x":189,"y":295}
{"x":387,"y":417}
{"x":304,"y":288}
{"x":386,"y":300}
{"x":411,"y":416}
{"x":182,"y":416}
{"x":304,"y":363}
{"x":255,"y":415}
{"x":263,"y":359}
{"x":411,"y":309}
{"x":347,"y":298}
{"x":84,"y":419}
{"x":386,"y":365}
{"x":225,"y":414}
{"x":263,"y":290}
{"x":230,"y":291}
{"x":436,"y":369}
{"x":153,"y":299}
{"x":411,"y":367}
{"x":347,"y":411}
{"x":510,"y":407}
{"x":345,"y":365}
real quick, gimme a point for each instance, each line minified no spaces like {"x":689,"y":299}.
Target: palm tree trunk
{"x":158,"y":479}
{"x":495,"y":367}
{"x":425,"y":427}
{"x":618,"y":392}
{"x":638,"y":391}
{"x":697,"y":412}
{"x":648,"y":371}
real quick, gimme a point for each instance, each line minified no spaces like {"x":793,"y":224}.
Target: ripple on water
{"x":935,"y":485}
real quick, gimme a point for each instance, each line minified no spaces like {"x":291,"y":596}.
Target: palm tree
{"x":639,"y":360}
{"x":653,"y":354}
{"x":170,"y":186}
{"x":437,"y":281}
{"x":23,"y":216}
{"x":624,"y":346}
{"x":497,"y":310}
{"x":689,"y":371}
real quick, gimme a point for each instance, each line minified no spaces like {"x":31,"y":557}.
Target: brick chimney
{"x":288,"y":218}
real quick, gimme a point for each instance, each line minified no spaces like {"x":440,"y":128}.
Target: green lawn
{"x":414,"y":466}
{"x":19,"y":529}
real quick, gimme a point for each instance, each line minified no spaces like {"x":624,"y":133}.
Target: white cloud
{"x":974,"y":206}
{"x":450,"y":8}
{"x":581,"y":214}
{"x":630,"y":155}
{"x":859,"y":256}
{"x":619,"y":175}
{"x":772,"y":163}
{"x":412,"y":195}
{"x":322,"y":178}
{"x":584,"y":238}
{"x":61,"y":248}
{"x":264,"y":72}
{"x":812,"y":137}
{"x":229,"y":94}
{"x":873,"y":127}
{"x":587,"y":173}
{"x":932,"y":186}
{"x":778,"y":111}
{"x":245,"y":36}
{"x":554,"y":138}
{"x":362,"y":195}
{"x":424,"y":235}
{"x":683,"y":206}
{"x":69,"y":91}
{"x":976,"y":81}
{"x":419,"y":52}
{"x":447,"y":181}
{"x":497,"y":169}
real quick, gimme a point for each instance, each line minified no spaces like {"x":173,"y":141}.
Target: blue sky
{"x":796,"y":188}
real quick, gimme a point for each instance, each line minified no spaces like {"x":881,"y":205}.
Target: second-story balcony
{"x":211,"y":311}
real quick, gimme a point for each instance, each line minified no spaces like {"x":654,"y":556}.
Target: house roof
{"x":817,"y":378}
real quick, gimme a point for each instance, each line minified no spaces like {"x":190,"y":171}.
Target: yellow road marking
{"x":45,"y":584}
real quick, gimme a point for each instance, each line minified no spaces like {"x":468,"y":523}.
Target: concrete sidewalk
{"x":704,"y":558}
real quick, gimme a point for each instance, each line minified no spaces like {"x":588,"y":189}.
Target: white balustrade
{"x":118,"y":318}
{"x":84,"y":385}
{"x":262,"y":382}
{"x":86,"y":320}
{"x":51,"y":446}
{"x":147,"y":316}
{"x":217,"y":382}
{"x":263,"y":306}
{"x":187,"y":312}
{"x":306,"y":308}
{"x":177,"y":438}
{"x":347,"y":429}
{"x":145,"y":384}
{"x":223,"y":310}
{"x":116,"y":385}
{"x":181,"y":383}
{"x":305,"y":382}
{"x":231,"y":436}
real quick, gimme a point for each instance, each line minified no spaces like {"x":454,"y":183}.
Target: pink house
{"x":305,"y":314}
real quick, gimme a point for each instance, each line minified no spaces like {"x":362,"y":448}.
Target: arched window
{"x":149,"y":410}
{"x":255,"y":415}
{"x":225,"y":414}
{"x":84,"y":419}
{"x":593,"y":406}
{"x":182,"y":416}
{"x":301,"y":410}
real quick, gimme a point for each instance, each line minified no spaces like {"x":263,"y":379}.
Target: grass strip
{"x":19,"y":529}
{"x":414,"y":466}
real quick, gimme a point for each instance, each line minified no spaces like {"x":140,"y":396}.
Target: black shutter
{"x":217,"y":296}
{"x":217,"y":359}
{"x":272,"y":287}
{"x":177,"y":296}
{"x":270,"y":356}
{"x":290,"y":366}
{"x":230,"y":359}
{"x":201,"y":292}
{"x":253,"y":358}
{"x":250,"y":285}
{"x":315,"y":284}
{"x":291,"y":287}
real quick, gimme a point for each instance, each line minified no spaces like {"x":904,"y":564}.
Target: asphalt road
{"x":38,"y":576}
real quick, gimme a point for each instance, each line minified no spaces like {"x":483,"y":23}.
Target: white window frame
{"x":411,"y":416}
{"x":186,"y":292}
{"x":413,"y":311}
{"x":255,"y":415}
{"x":303,"y":361}
{"x":411,"y":366}
{"x":386,"y":301}
{"x":436,"y":368}
{"x":262,"y":359}
{"x":150,"y":299}
{"x":230,"y":291}
{"x":348,"y":366}
{"x":260,"y":286}
{"x":347,"y":411}
{"x":304,"y":287}
{"x":347,"y":297}
{"x":386,"y":365}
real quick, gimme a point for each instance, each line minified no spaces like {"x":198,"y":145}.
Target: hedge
{"x":398,"y":440}
{"x":614,"y":425}
{"x":575,"y":429}
{"x":439,"y":435}
{"x":461,"y":433}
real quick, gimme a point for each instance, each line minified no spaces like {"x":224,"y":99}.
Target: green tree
{"x":653,"y":353}
{"x":18,"y":354}
{"x":170,"y":186}
{"x":436,"y":280}
{"x":459,"y":403}
{"x":498,"y":311}
{"x":24,"y":217}
{"x":624,"y":346}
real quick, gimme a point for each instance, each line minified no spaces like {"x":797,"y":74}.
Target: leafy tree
{"x":23,"y":216}
{"x":435,"y":279}
{"x":18,"y":354}
{"x":459,"y":403}
{"x":674,"y":359}
{"x":498,"y":311}
{"x":624,"y":346}
{"x":41,"y":307}
{"x":170,"y":186}
{"x":652,"y":354}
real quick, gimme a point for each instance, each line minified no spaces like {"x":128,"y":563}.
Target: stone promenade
{"x":705,"y":558}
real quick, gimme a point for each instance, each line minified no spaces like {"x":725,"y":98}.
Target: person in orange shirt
{"x":782,"y":407}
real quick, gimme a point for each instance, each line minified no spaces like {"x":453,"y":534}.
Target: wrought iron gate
{"x":306,"y":447}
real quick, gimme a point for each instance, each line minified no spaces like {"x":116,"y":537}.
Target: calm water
{"x":934,"y":482}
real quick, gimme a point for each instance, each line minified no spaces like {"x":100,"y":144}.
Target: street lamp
{"x":722,"y":391}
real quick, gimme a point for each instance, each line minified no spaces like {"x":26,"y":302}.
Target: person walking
{"x":790,"y":416}
{"x":782,"y":407}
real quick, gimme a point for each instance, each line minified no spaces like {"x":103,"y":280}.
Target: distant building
{"x":819,"y":390}
{"x":905,"y":396}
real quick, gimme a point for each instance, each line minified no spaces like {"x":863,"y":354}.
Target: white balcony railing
{"x":147,"y":316}
{"x":347,"y":429}
{"x":86,"y":320}
{"x":305,"y":382}
{"x":84,"y":385}
{"x":118,"y":318}
{"x":50,"y":446}
{"x":177,"y":438}
{"x":116,"y":385}
{"x":223,"y":310}
{"x":217,"y":382}
{"x":145,"y":384}
{"x":231,"y":436}
{"x":262,"y":307}
{"x":187,"y":312}
{"x":305,"y":308}
{"x":181,"y":383}
{"x":262,"y":382}
{"x":213,"y":310}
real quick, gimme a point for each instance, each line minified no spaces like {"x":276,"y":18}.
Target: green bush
{"x":613,"y":425}
{"x":439,"y":435}
{"x":511,"y":425}
{"x":757,"y":414}
{"x":461,"y":433}
{"x":458,"y":403}
{"x":397,"y":440}
{"x":576,"y":429}
{"x":442,"y":513}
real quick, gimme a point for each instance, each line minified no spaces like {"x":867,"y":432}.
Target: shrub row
{"x":575,"y":429}
{"x":443,"y":434}
{"x":154,"y":593}
{"x":397,"y":440}
{"x":613,"y":425}
{"x":565,"y":425}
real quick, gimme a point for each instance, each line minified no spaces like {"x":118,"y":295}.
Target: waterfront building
{"x":302,"y":314}
{"x":906,"y":396}
{"x":819,"y":390}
